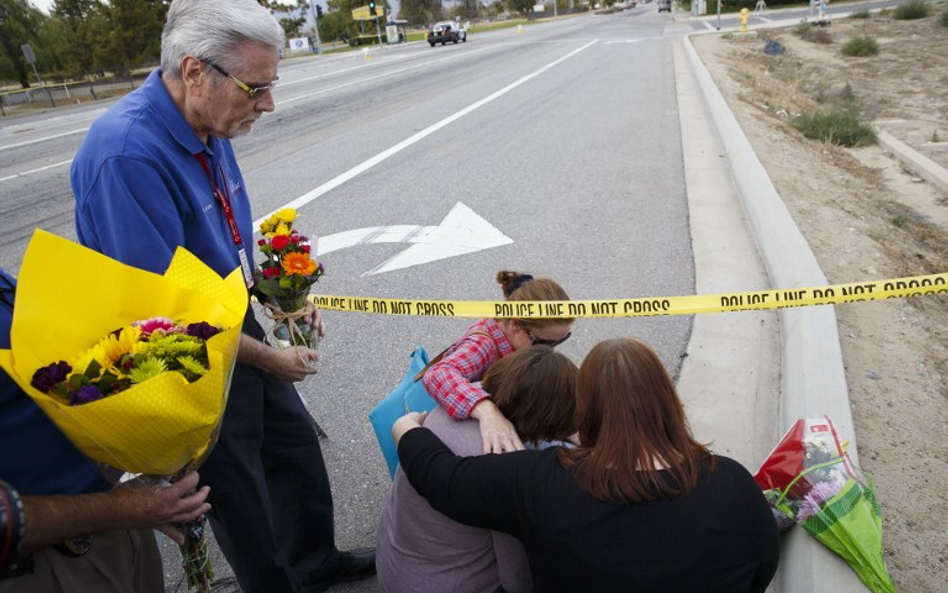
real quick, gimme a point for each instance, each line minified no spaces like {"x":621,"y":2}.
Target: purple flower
{"x":46,"y":378}
{"x":814,"y":500}
{"x":85,"y":395}
{"x":202,"y":330}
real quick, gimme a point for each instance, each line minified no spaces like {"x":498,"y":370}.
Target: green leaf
{"x":94,"y":369}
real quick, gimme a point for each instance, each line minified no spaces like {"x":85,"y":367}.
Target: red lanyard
{"x":223,"y":199}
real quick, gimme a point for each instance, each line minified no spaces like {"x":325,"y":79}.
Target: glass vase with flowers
{"x":285,"y":277}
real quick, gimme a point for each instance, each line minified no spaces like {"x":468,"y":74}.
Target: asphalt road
{"x":564,"y":137}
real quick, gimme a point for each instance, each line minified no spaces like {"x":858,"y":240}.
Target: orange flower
{"x":298,"y":263}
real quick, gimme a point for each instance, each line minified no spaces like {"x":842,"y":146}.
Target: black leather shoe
{"x":352,"y":566}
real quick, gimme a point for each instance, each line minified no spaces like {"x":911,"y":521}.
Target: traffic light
{"x":319,"y":12}
{"x":372,"y":8}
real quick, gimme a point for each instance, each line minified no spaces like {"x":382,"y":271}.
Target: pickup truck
{"x":446,"y":31}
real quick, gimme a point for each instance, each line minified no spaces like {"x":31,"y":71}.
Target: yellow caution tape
{"x":646,"y":307}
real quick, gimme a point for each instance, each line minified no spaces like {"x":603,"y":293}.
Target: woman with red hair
{"x":639,"y":505}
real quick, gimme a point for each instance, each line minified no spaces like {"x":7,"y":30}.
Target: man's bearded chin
{"x":243,"y":128}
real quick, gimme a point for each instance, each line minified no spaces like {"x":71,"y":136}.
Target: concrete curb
{"x":916,"y":163}
{"x":813,"y":380}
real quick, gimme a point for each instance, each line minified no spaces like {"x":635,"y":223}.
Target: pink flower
{"x":149,"y":326}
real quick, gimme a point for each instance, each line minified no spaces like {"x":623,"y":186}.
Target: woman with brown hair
{"x":420,"y":550}
{"x":638,"y":506}
{"x":451,"y":381}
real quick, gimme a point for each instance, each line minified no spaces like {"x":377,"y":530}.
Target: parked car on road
{"x":446,"y":31}
{"x":665,"y":5}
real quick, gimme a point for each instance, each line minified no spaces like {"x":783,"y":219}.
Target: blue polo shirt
{"x":141,"y":192}
{"x":34,"y":456}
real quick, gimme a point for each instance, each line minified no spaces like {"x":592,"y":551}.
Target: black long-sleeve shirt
{"x":720,"y":538}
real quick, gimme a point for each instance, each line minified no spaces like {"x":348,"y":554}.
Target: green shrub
{"x":807,"y":32}
{"x":943,"y":19}
{"x":916,"y":9}
{"x":861,"y":14}
{"x":844,"y":127}
{"x":861,"y":46}
{"x":802,"y":28}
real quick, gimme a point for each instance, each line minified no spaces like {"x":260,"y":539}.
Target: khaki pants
{"x":118,"y":562}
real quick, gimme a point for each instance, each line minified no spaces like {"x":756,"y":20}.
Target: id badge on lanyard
{"x":224,"y":200}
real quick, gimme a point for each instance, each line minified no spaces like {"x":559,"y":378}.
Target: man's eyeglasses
{"x":252,"y":92}
{"x":551,"y":343}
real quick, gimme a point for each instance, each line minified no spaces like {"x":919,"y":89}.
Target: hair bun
{"x":511,"y":281}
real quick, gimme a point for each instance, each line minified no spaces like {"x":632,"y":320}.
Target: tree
{"x":524,"y":7}
{"x":134,"y":37}
{"x":421,"y":11}
{"x":19,"y":24}
{"x":344,"y":9}
{"x":51,"y":48}
{"x":467,"y":9}
{"x":334,"y":27}
{"x":84,"y":24}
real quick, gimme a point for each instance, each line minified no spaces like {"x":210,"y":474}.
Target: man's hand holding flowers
{"x":131,"y":505}
{"x":144,"y":507}
{"x":292,"y":364}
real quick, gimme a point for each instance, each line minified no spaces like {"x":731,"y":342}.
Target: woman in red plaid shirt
{"x":451,"y":380}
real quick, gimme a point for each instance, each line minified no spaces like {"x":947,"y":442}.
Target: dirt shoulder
{"x":867,"y":219}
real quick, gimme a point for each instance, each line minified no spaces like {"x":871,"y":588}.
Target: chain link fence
{"x":38,"y":98}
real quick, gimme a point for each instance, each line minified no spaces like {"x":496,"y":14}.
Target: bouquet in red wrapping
{"x":810,"y":480}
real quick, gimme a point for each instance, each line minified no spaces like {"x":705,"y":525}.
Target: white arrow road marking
{"x":461,"y":232}
{"x":366,"y":165}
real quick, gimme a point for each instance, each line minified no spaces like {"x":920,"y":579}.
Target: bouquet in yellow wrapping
{"x":133,"y":367}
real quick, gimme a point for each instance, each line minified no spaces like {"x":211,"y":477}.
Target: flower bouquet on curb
{"x":810,"y":480}
{"x":134,"y":368}
{"x":285,"y":276}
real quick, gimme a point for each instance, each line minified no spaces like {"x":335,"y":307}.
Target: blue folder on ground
{"x":409,"y":396}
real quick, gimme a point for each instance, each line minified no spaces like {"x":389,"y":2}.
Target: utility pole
{"x":31,"y":58}
{"x":312,"y":4}
{"x":378,"y":30}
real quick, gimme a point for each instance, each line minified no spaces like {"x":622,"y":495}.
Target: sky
{"x":43,"y":5}
{"x":46,"y":5}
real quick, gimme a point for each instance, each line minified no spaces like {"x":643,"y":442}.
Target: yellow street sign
{"x":362,"y":13}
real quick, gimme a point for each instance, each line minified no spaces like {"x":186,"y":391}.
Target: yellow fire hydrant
{"x":744,"y":13}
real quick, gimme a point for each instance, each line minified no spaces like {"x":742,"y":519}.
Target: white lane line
{"x":366,"y":165}
{"x":277,"y":103}
{"x":25,"y":173}
{"x":43,"y":139}
{"x":376,"y":77}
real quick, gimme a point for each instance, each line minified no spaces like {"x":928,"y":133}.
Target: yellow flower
{"x":298,"y":263}
{"x":282,"y":229}
{"x":110,"y":350}
{"x":287,"y":215}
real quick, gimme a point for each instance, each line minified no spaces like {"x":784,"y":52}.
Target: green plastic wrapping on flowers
{"x":809,"y":479}
{"x":850,"y":524}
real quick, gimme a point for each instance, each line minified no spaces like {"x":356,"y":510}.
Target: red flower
{"x":271,"y":272}
{"x":262,"y":242}
{"x":279,"y":242}
{"x":295,"y":238}
{"x":305,"y":248}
